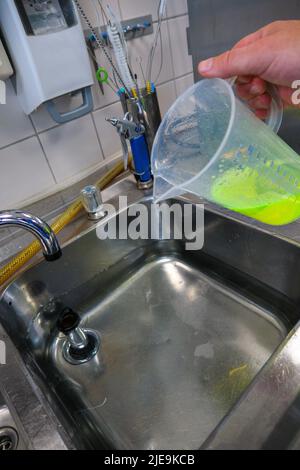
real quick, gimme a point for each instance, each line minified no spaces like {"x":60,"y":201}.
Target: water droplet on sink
{"x":205,"y":350}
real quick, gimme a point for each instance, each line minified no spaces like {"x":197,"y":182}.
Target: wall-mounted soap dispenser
{"x":48,"y":50}
{"x":6,"y":71}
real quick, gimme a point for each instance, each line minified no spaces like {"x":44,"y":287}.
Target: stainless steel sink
{"x":11,"y":433}
{"x":183,"y":334}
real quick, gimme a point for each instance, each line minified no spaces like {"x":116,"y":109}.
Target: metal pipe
{"x":37,"y":227}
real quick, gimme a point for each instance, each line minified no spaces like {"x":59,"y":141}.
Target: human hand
{"x":270,"y":55}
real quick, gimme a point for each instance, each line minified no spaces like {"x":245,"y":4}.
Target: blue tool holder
{"x":141,"y":158}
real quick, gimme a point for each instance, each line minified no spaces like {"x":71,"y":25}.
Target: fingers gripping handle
{"x":275,"y":117}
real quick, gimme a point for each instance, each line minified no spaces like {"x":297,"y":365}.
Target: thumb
{"x":248,"y":60}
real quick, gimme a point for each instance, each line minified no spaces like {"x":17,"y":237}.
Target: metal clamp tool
{"x":135,"y":133}
{"x":127,"y":130}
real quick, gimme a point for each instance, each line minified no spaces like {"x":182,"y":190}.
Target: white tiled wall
{"x":14,"y":125}
{"x":109,"y":139}
{"x":140,"y":49}
{"x":72,"y":149}
{"x":166,"y":95}
{"x":182,"y":83}
{"x":37,"y":156}
{"x":182,"y":62}
{"x":23,"y":166}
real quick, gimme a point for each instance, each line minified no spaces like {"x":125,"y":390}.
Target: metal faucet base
{"x":54,"y":256}
{"x":145,"y":185}
{"x":77,"y":356}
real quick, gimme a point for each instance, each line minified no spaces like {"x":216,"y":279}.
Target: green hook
{"x":102,"y":75}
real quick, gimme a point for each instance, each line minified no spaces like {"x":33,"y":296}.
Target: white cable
{"x":162,"y":8}
{"x":115,"y":21}
{"x":121,"y":59}
{"x":161,"y":14}
{"x":100,"y":43}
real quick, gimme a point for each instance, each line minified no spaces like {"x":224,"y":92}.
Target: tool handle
{"x":141,"y":158}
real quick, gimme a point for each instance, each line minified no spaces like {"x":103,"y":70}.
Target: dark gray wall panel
{"x":216,"y":25}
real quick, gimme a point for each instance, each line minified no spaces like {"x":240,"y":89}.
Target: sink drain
{"x":8,"y":439}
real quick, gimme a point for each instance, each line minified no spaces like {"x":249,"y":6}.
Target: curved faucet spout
{"x":37,"y":227}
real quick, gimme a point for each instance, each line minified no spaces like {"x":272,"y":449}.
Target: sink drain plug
{"x":8,"y":439}
{"x":81,"y":344}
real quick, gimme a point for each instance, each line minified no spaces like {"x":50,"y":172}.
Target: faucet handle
{"x":68,"y":321}
{"x":81,"y":345}
{"x":92,"y":202}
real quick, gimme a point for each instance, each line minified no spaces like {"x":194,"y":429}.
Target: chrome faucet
{"x":37,"y":227}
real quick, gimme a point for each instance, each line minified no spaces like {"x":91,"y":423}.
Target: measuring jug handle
{"x":275,"y":117}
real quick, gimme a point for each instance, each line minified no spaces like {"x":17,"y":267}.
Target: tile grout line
{"x":48,"y":163}
{"x":171,"y":50}
{"x":17,"y":142}
{"x":98,"y":137}
{"x":43,"y":150}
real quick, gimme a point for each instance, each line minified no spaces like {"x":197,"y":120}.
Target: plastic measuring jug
{"x":212,"y":145}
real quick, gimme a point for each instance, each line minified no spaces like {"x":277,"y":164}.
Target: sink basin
{"x":183,"y":333}
{"x":11,"y":437}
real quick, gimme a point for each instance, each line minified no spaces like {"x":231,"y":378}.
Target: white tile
{"x":140,"y":49}
{"x":183,"y":83}
{"x":72,"y":148}
{"x":177,"y":7}
{"x":24,"y":173}
{"x":182,"y":62}
{"x":102,"y":100}
{"x":134,"y":8}
{"x":166,"y":96}
{"x":94,"y":13}
{"x":110,"y":141}
{"x":14,"y":124}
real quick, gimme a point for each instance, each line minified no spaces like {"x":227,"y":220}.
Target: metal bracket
{"x":133,"y":29}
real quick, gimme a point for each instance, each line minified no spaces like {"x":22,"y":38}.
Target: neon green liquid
{"x":247,"y":192}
